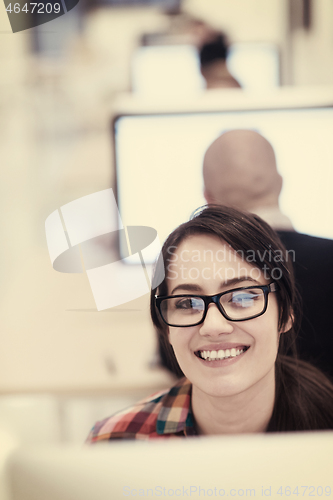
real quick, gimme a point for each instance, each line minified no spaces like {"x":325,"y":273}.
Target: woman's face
{"x":204,"y":265}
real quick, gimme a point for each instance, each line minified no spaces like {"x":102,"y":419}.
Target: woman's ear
{"x":288,"y":326}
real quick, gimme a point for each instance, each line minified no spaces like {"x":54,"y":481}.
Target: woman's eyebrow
{"x":189,"y":287}
{"x":237,"y":281}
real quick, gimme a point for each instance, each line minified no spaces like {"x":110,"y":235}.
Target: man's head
{"x":240,"y":171}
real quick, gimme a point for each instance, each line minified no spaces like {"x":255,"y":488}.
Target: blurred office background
{"x":63,"y":364}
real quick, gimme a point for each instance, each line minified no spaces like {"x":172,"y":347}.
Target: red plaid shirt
{"x":163,"y":415}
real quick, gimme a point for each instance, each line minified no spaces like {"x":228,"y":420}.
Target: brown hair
{"x":301,"y":401}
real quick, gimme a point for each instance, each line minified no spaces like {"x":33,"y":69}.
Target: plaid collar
{"x":164,"y":415}
{"x":175,"y":414}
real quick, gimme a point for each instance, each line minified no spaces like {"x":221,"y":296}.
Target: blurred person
{"x":213,"y":54}
{"x":211,"y":45}
{"x":240,"y":171}
{"x":226,"y":313}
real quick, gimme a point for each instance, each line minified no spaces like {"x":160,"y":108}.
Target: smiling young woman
{"x":226,"y":312}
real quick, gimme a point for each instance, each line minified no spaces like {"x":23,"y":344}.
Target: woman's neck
{"x":247,"y":412}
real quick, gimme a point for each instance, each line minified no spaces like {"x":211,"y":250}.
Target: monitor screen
{"x":294,"y":465}
{"x":159,"y":161}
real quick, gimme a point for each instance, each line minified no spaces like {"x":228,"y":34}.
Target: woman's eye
{"x":190,"y":304}
{"x":185,"y":304}
{"x":243,"y":299}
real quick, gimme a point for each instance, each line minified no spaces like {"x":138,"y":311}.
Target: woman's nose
{"x":215,"y":323}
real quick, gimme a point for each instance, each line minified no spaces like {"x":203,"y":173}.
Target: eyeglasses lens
{"x":183,"y":311}
{"x":243,"y":304}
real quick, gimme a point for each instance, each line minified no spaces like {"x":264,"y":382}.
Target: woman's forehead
{"x":204,"y":259}
{"x":204,"y":246}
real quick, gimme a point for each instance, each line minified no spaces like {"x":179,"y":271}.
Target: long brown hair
{"x":302,"y":391}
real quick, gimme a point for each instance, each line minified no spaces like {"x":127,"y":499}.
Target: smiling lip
{"x":217,"y":354}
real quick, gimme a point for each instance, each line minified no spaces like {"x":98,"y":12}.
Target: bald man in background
{"x":240,"y":171}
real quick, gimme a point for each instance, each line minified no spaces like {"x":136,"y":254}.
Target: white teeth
{"x":221,"y":354}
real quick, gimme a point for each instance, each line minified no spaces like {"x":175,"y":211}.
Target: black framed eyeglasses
{"x":239,"y":304}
